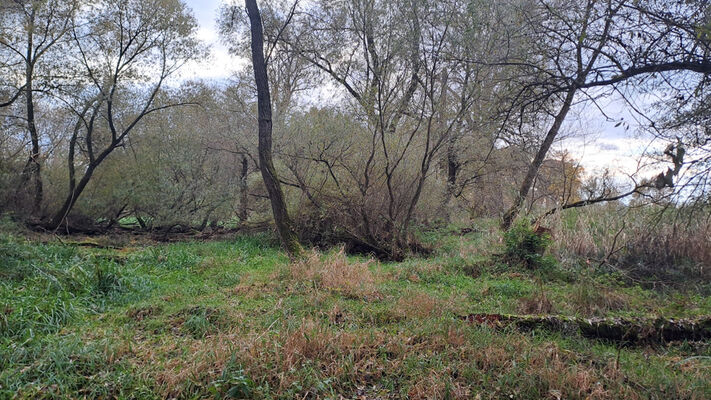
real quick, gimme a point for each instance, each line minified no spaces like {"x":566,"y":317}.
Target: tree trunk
{"x":74,"y":192}
{"x":32,"y":168}
{"x":623,"y":330}
{"x":203,"y":224}
{"x":243,"y":194}
{"x":453,"y":166}
{"x":141,"y":223}
{"x":535,"y":165}
{"x":276,"y":196}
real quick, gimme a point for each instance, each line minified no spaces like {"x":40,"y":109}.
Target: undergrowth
{"x":236,"y":319}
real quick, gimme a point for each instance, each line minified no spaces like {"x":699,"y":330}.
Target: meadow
{"x":128,"y":317}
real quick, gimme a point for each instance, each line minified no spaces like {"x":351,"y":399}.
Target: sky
{"x":594,"y":141}
{"x":221,"y":65}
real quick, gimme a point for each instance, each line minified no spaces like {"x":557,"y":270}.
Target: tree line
{"x":364,"y":119}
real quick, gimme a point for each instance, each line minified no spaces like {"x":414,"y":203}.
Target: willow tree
{"x":399,"y":67}
{"x":596,"y":48}
{"x":126,"y":51}
{"x":33,"y":38}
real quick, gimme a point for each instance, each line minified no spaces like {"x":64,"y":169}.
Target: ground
{"x":235,"y":319}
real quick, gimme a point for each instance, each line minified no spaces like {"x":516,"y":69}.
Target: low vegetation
{"x":390,"y":200}
{"x":236,"y":319}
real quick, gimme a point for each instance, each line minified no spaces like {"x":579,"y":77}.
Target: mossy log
{"x":624,"y":330}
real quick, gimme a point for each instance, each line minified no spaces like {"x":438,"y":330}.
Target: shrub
{"x":107,"y":280}
{"x":526,"y":247}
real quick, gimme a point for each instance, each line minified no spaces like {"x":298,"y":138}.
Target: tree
{"x":269,"y":174}
{"x":31,"y":30}
{"x":127,"y":50}
{"x":167,"y":176}
{"x":397,"y":64}
{"x":595,"y":47}
{"x":686,"y":124}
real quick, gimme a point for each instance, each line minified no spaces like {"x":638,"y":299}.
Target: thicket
{"x":442,"y":115}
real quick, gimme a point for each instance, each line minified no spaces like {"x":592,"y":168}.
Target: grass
{"x":234,"y":319}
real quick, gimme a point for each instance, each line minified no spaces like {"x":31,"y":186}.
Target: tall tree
{"x":283,"y":223}
{"x":127,"y":50}
{"x":398,"y":66}
{"x":595,"y":47}
{"x":30,"y":32}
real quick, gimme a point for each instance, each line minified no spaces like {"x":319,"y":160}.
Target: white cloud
{"x":220,"y":64}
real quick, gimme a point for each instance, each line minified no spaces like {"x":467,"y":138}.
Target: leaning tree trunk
{"x":75,"y":190}
{"x":535,"y":165}
{"x":266,"y":165}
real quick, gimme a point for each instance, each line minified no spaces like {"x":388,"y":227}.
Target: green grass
{"x":234,"y":319}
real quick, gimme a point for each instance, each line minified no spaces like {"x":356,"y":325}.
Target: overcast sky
{"x":220,"y":65}
{"x":597,"y":143}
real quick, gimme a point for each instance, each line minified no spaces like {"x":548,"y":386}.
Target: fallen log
{"x":623,"y":330}
{"x":91,"y":243}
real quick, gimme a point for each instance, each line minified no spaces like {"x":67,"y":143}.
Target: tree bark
{"x":453,"y":167}
{"x":243,"y":194}
{"x":32,"y":168}
{"x":535,"y":165}
{"x":622,"y":330}
{"x":282,"y":221}
{"x":74,"y":192}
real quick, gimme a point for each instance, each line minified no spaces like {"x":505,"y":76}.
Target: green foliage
{"x":526,"y":247}
{"x":164,"y":321}
{"x":200,"y":321}
{"x":233,"y":384}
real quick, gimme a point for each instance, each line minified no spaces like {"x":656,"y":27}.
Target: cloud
{"x":220,"y":65}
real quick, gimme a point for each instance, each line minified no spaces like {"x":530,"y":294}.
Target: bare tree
{"x":266,"y":164}
{"x":32,"y":30}
{"x":599,"y":45}
{"x":127,"y":50}
{"x":395,"y":63}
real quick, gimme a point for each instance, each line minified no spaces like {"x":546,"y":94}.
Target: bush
{"x":527,"y":247}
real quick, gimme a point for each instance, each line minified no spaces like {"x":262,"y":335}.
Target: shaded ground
{"x":235,"y":319}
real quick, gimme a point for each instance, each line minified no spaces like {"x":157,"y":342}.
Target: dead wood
{"x":624,"y":330}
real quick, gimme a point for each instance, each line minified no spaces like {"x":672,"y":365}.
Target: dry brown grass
{"x":336,"y":273}
{"x":641,"y":242}
{"x":565,"y":378}
{"x":437,"y":385}
{"x":417,"y":272}
{"x":668,"y":245}
{"x":354,"y":360}
{"x":491,"y":242}
{"x":594,"y":300}
{"x":538,"y":303}
{"x":418,"y":304}
{"x":250,"y":288}
{"x":333,"y":353}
